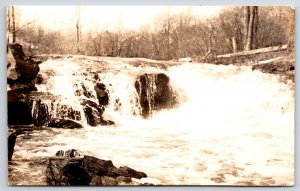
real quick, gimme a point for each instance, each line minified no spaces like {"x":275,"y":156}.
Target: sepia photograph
{"x":150,"y":95}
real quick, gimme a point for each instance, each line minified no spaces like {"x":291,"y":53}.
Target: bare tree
{"x":251,"y":13}
{"x":8,"y":29}
{"x":13,"y":24}
{"x":292,"y":30}
{"x":78,"y":29}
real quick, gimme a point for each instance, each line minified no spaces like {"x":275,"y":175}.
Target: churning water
{"x":232,"y":126}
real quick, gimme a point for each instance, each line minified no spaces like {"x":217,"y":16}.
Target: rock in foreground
{"x":88,"y":171}
{"x":12,"y":136}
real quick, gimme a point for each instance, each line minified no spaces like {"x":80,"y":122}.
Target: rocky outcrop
{"x":155,"y":93}
{"x":22,"y":70}
{"x":40,"y":109}
{"x":88,"y":171}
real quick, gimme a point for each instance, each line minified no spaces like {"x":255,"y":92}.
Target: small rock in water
{"x":69,"y":153}
{"x":122,"y":179}
{"x":60,"y":153}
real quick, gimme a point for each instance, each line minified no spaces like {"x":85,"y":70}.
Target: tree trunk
{"x":234,"y":44}
{"x":8,"y":30}
{"x":291,"y":44}
{"x":250,"y":18}
{"x":78,"y":30}
{"x":13,"y":24}
{"x":246,"y":24}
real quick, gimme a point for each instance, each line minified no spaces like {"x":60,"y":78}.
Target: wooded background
{"x":175,"y":35}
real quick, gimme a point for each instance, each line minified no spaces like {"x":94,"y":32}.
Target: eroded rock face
{"x":88,"y":171}
{"x":21,"y":69}
{"x":154,"y":92}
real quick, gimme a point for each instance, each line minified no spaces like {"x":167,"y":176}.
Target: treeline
{"x":169,"y":36}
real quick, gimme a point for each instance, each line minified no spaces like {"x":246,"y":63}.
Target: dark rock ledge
{"x":72,"y":170}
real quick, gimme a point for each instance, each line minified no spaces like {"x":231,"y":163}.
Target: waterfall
{"x":112,"y":90}
{"x":182,"y":124}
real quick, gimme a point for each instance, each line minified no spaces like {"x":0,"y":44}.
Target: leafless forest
{"x":173,"y":35}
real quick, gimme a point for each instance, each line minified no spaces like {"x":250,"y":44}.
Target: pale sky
{"x":105,"y":17}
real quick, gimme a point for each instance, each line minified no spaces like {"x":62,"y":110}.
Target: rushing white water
{"x":233,"y":126}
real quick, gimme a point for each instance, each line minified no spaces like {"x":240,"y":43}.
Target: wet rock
{"x":93,"y":165}
{"x":82,"y":90}
{"x":108,"y":181}
{"x":40,"y":113}
{"x":12,"y":73}
{"x":39,"y":79}
{"x":129,"y":172}
{"x":19,"y":112}
{"x":123,"y":179}
{"x":87,"y":171}
{"x":63,"y":123}
{"x":154,"y":92}
{"x":69,"y":153}
{"x":22,"y":70}
{"x":12,"y":136}
{"x":93,"y":112}
{"x":96,"y":181}
{"x":102,"y":94}
{"x":24,"y":87}
{"x":26,"y":66}
{"x":62,"y":172}
{"x":107,"y":122}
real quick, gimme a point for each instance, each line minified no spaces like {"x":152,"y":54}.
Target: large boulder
{"x":88,"y":171}
{"x":25,"y":108}
{"x":155,"y":93}
{"x":12,"y":73}
{"x":65,"y":172}
{"x":21,"y":69}
{"x":19,"y":112}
